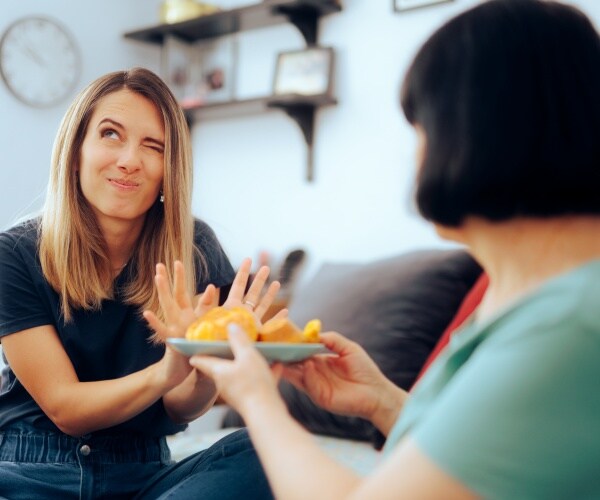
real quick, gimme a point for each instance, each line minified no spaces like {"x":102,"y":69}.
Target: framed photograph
{"x":304,"y":72}
{"x":201,"y":72}
{"x":402,"y":5}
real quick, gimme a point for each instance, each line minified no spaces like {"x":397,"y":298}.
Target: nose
{"x":129,"y":160}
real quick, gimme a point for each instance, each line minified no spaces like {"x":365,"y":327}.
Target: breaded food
{"x":280,"y":330}
{"x":213,"y":326}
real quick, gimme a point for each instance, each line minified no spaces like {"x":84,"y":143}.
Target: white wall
{"x":250,"y":170}
{"x":27,"y":134}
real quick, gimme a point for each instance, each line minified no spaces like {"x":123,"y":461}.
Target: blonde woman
{"x":90,"y":392}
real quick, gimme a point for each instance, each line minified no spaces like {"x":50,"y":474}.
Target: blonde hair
{"x":73,"y":252}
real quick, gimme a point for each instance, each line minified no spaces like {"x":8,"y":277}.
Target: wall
{"x":27,"y":134}
{"x":250,"y":170}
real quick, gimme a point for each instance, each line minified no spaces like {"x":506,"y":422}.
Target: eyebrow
{"x":119,"y":125}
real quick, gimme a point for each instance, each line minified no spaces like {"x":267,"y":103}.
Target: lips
{"x":126,"y":183}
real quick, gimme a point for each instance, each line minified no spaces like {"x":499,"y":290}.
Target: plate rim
{"x":224,"y":343}
{"x":272,"y":351}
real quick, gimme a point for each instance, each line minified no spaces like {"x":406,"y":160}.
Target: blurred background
{"x":250,"y":170}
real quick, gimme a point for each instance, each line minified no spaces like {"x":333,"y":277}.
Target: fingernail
{"x":234,"y":329}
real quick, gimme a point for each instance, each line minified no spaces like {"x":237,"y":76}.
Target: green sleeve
{"x":521,"y":418}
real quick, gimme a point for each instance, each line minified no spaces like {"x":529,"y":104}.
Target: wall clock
{"x":40,"y":61}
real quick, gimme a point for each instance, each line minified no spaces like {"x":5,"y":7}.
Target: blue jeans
{"x":39,"y":465}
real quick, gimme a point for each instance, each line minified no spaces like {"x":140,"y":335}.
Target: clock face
{"x":39,"y":61}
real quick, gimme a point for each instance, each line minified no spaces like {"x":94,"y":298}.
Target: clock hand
{"x":23,"y":42}
{"x":33,"y":55}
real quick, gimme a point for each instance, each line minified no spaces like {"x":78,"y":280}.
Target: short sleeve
{"x":22,"y":304}
{"x":218,"y":270}
{"x":520,"y":420}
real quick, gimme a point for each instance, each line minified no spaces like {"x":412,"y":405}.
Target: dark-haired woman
{"x":506,"y":104}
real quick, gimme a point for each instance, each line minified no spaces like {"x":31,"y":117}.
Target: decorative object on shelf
{"x":216,"y":65}
{"x":40,"y":61}
{"x":402,"y":5}
{"x":201,"y":72}
{"x":175,"y":65}
{"x":175,"y":11}
{"x":304,"y":72}
{"x":303,"y":14}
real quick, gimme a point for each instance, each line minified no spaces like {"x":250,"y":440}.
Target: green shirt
{"x":511,"y":408}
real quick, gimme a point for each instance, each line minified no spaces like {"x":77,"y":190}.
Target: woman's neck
{"x":521,"y":254}
{"x":120,"y":241}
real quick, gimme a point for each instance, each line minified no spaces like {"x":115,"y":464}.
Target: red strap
{"x":468,"y":305}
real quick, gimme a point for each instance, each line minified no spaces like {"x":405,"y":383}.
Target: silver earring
{"x":162,"y":197}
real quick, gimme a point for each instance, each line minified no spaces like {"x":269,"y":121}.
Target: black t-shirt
{"x":105,"y":344}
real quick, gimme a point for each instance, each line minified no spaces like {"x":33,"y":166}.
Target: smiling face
{"x":122,"y":159}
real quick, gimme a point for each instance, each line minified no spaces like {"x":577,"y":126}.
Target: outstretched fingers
{"x":165,"y":297}
{"x":267,"y":299}
{"x":175,"y":302}
{"x":238,"y":287}
{"x":254,"y":299}
{"x":207,"y":300}
{"x":180,"y":291}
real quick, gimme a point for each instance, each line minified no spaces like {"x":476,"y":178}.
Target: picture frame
{"x":202,"y":72}
{"x":403,"y":5}
{"x":306,"y":72}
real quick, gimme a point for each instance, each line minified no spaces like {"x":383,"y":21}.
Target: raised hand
{"x":178,"y":313}
{"x":176,"y":303}
{"x":253,"y":300}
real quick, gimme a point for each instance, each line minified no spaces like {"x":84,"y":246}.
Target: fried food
{"x":213,"y":326}
{"x":280,"y":330}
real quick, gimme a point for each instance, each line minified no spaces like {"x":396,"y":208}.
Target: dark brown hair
{"x":508,"y":95}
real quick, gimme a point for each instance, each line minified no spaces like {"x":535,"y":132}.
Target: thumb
{"x":208,"y":365}
{"x":338,"y":344}
{"x":238,"y":339}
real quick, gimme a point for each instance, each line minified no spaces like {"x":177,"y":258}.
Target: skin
{"x":347,"y":383}
{"x":120,"y":173}
{"x":351,"y":384}
{"x":518,"y":255}
{"x":40,"y":363}
{"x":121,"y":168}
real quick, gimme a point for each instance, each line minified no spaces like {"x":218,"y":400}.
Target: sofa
{"x":398,"y":308}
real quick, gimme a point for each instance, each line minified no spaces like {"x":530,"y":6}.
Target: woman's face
{"x":122,"y":158}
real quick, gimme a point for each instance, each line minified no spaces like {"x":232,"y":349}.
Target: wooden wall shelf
{"x":303,"y":14}
{"x":299,"y":108}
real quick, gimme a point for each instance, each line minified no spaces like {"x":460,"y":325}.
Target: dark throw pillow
{"x":396,"y":308}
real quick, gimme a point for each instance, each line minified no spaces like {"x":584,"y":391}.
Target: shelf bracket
{"x":304,"y":18}
{"x":304,"y":116}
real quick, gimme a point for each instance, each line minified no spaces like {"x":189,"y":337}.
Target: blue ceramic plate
{"x":273,"y":351}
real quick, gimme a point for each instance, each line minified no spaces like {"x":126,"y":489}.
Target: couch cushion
{"x":396,"y":308}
